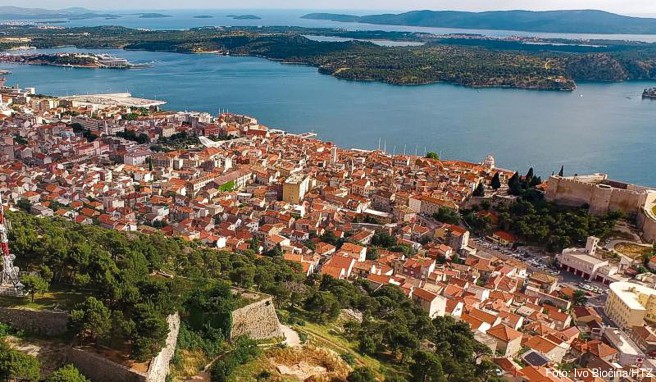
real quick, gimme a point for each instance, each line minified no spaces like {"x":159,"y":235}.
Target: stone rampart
{"x":601,"y":197}
{"x":159,"y":366}
{"x":41,"y":322}
{"x":100,"y":369}
{"x":257,"y":320}
{"x":647,"y":223}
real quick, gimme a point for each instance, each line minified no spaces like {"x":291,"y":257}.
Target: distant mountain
{"x":19,"y":13}
{"x":581,"y":21}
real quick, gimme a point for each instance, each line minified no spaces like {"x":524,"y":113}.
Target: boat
{"x":649,"y":93}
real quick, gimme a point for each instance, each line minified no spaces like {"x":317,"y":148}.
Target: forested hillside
{"x":130,"y":282}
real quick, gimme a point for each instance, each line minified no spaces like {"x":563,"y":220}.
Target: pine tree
{"x":562,"y":171}
{"x":515,"y":185}
{"x":480,"y":190}
{"x":529,"y":175}
{"x":496,"y":182}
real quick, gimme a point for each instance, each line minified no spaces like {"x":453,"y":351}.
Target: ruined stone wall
{"x":41,"y":322}
{"x":159,"y":366}
{"x":100,"y":369}
{"x":257,"y":320}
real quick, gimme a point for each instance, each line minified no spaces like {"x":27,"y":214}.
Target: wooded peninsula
{"x":467,"y":60}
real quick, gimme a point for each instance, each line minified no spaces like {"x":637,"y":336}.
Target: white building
{"x":585,"y":262}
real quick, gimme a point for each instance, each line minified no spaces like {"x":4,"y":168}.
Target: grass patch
{"x":255,"y":371}
{"x":54,"y":299}
{"x":632,"y":251}
{"x":188,"y":363}
{"x":328,"y":336}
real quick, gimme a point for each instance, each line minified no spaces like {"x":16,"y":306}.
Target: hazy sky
{"x":618,"y":6}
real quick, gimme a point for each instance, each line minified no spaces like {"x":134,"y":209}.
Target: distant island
{"x":203,"y":17}
{"x":581,"y":21}
{"x":152,"y":15}
{"x":76,"y":13}
{"x":244,"y":17}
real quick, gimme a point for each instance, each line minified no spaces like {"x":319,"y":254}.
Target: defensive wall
{"x":93,"y":365}
{"x":101,"y":369}
{"x":41,"y":322}
{"x":647,"y":223}
{"x":600,"y":193}
{"x":604,"y":195}
{"x":257,"y":320}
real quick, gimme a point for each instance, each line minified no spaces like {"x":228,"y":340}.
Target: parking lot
{"x":538,"y":261}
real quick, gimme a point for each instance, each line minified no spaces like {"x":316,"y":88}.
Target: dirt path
{"x":292,"y":338}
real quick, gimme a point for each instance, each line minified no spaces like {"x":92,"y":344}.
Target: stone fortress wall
{"x":257,"y":320}
{"x":601,"y":194}
{"x":159,"y":366}
{"x":604,"y":195}
{"x":647,"y":223}
{"x":100,"y":369}
{"x":41,"y":322}
{"x":93,"y":365}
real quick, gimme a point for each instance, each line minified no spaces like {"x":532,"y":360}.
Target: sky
{"x":631,"y":7}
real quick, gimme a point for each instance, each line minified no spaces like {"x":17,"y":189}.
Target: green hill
{"x":578,"y":21}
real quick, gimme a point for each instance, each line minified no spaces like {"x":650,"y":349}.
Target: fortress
{"x":603,"y":195}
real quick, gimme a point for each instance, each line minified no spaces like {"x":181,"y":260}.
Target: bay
{"x":598,"y":128}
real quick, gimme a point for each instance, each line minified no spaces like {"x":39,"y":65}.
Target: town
{"x":440,"y":230}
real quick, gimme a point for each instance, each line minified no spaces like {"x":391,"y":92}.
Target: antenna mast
{"x":9,"y":280}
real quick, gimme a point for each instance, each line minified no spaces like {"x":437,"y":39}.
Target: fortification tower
{"x":9,"y":281}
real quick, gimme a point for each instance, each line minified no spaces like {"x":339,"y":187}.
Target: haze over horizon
{"x":636,"y":8}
